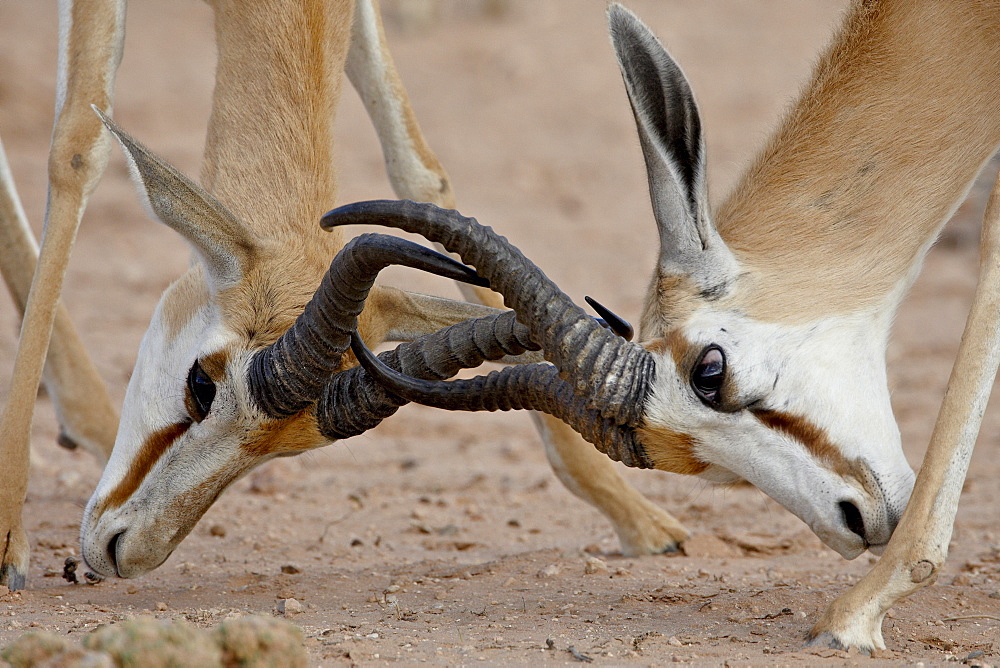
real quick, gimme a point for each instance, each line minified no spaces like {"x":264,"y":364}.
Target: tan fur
{"x":670,"y":299}
{"x":77,"y":159}
{"x":918,"y":549}
{"x":641,"y":525}
{"x":671,"y":451}
{"x":191,"y":296}
{"x":277,"y":195}
{"x":836,"y":213}
{"x":870,"y":162}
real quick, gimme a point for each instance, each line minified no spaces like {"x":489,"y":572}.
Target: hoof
{"x":829,"y":641}
{"x":673,"y":547}
{"x":66,"y":441}
{"x":12,"y":576}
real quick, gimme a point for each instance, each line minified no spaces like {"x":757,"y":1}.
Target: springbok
{"x":765,"y":328}
{"x":259,"y":257}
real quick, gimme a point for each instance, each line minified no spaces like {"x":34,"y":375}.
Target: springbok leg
{"x":83,"y":408}
{"x":92,"y":32}
{"x":919,"y":546}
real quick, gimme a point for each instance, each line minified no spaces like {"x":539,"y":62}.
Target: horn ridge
{"x":288,"y":375}
{"x":598,"y":364}
{"x":528,"y":387}
{"x":353,"y":402}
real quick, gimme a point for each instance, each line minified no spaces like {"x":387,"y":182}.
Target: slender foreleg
{"x":83,"y":408}
{"x":91,"y":35}
{"x":919,"y":546}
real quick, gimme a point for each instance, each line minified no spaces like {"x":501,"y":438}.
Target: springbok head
{"x":231,"y":367}
{"x":750,"y":368}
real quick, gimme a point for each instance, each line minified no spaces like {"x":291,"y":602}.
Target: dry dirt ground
{"x":444,"y":537}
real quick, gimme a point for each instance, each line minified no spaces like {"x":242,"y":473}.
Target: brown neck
{"x":900,"y":115}
{"x":269,"y":149}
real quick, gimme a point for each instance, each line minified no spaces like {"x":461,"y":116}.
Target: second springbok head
{"x":762,"y":354}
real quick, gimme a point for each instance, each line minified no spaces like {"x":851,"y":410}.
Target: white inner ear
{"x":689,"y":243}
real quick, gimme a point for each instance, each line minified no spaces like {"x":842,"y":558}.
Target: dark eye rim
{"x":711,"y":398}
{"x":201,"y":392}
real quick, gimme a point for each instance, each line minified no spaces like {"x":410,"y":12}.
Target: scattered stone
{"x":674,"y":642}
{"x":707,"y":546}
{"x":595,"y":565}
{"x":161,"y":606}
{"x":549,"y":571}
{"x":883,"y":654}
{"x":290,"y":569}
{"x":4,"y":590}
{"x":289,"y":607}
{"x":961,"y":580}
{"x":217,"y":530}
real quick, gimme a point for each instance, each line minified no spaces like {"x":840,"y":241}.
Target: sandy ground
{"x":443,"y":537}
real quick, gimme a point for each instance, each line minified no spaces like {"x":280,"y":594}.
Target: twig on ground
{"x":955,"y":619}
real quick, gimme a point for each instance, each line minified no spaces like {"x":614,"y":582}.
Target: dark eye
{"x":708,"y":375}
{"x":201,"y":392}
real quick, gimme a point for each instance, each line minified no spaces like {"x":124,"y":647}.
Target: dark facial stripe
{"x":814,"y":439}
{"x":150,"y":453}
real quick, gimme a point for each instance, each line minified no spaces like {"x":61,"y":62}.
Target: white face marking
{"x":205,"y":453}
{"x":829,"y":374}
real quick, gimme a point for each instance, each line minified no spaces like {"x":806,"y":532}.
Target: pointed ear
{"x":220,"y":240}
{"x":674,"y":150}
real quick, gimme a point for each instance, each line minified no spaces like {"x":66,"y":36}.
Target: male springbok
{"x":198,"y":414}
{"x":765,"y":327}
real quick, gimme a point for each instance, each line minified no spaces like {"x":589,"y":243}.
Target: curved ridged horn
{"x":288,"y":375}
{"x":529,"y":387}
{"x":613,"y":374}
{"x":353,"y":402}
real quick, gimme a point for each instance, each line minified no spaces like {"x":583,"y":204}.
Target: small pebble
{"x":289,"y":607}
{"x":595,"y":565}
{"x":549,"y":571}
{"x":290,"y":569}
{"x":217,"y":530}
{"x":161,"y":606}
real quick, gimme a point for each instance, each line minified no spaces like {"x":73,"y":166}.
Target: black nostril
{"x":113,"y":549}
{"x":852,"y":518}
